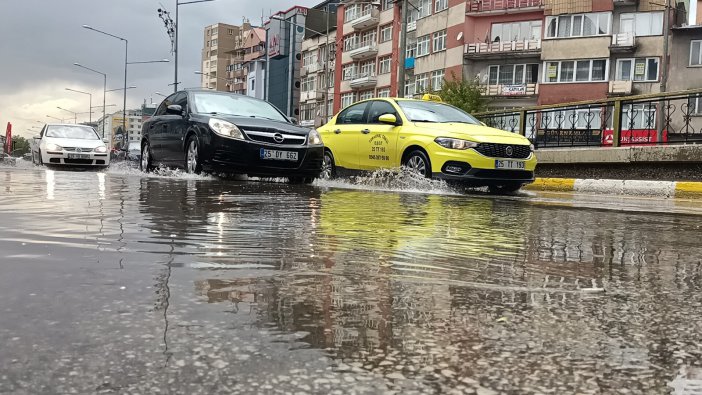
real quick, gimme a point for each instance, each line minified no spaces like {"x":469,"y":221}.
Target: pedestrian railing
{"x":669,"y":118}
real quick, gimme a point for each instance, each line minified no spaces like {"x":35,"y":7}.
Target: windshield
{"x":426,"y":111}
{"x":72,"y":132}
{"x":237,"y":105}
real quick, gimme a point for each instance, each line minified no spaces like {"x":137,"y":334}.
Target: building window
{"x":208,"y":44}
{"x":308,"y":84}
{"x":386,"y":4}
{"x":696,"y":53}
{"x":347,"y":99}
{"x":368,"y":68}
{"x":253,"y":84}
{"x":424,"y":9}
{"x":369,"y":37}
{"x":307,"y":112}
{"x":515,"y":31}
{"x":409,"y":88}
{"x":350,"y":42}
{"x":330,"y":110}
{"x":422,"y":46}
{"x":576,"y":71}
{"x":439,"y":41}
{"x":384,"y":64}
{"x":584,"y":119}
{"x":639,"y":69}
{"x":214,"y":31}
{"x":513,"y":74}
{"x":642,"y":23}
{"x":437,"y":80}
{"x":385,"y":92}
{"x":365,"y":95}
{"x":386,"y":33}
{"x":209,"y":32}
{"x":440,"y":5}
{"x":638,"y":116}
{"x":578,"y":25}
{"x":694,"y":105}
{"x":230,"y":32}
{"x":308,"y":58}
{"x":411,"y":50}
{"x":348,"y":71}
{"x":214,"y":42}
{"x":351,"y":12}
{"x":421,"y":83}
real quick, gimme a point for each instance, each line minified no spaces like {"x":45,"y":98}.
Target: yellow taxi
{"x":429,"y":137}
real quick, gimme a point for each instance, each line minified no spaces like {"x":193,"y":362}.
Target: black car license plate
{"x":278,"y":155}
{"x":78,"y":156}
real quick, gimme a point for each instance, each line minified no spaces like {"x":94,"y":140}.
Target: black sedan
{"x":223,"y":132}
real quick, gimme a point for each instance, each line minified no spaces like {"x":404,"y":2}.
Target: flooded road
{"x":119,"y":282}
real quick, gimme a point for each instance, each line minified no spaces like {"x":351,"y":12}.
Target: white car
{"x":66,"y":144}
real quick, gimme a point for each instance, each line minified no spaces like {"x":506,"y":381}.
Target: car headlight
{"x":314,"y":138}
{"x":531,"y":147}
{"x":101,"y":149}
{"x":226,"y":129}
{"x":450,"y":143}
{"x":53,"y":147}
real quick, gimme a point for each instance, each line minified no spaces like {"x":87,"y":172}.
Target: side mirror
{"x":294,"y":121}
{"x":174,"y":109}
{"x":483,"y":123}
{"x":37,"y":137}
{"x":388,"y":119}
{"x":105,"y":140}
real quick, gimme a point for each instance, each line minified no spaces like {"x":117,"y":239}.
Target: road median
{"x":663,"y":189}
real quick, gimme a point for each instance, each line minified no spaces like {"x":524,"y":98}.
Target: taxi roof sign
{"x":430,"y":97}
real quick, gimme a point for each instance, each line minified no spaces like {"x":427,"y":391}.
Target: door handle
{"x":365,"y":131}
{"x":337,"y":131}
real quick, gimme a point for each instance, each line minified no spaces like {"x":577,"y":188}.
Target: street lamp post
{"x":126,"y":46}
{"x":104,"y":92}
{"x":120,"y":89}
{"x":58,"y":119}
{"x":228,"y":80}
{"x":90,"y":98}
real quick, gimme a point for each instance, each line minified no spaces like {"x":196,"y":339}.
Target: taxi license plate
{"x":278,"y":155}
{"x":509,"y":164}
{"x":78,"y":156}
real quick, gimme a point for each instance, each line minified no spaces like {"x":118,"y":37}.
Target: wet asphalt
{"x":120,"y":282}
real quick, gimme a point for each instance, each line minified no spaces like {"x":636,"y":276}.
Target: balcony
{"x":411,"y":26}
{"x":308,"y":96}
{"x":313,"y":68}
{"x":625,"y":2}
{"x":363,"y":50}
{"x":254,"y":55}
{"x":366,"y":18}
{"x":500,"y":49}
{"x":476,"y":6}
{"x":364,"y":80}
{"x":512,"y":90}
{"x":623,"y":43}
{"x":237,"y":86}
{"x":620,"y":88}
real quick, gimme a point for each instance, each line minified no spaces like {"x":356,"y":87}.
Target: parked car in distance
{"x":69,"y":144}
{"x":429,"y":137}
{"x":224,"y":132}
{"x":134,"y":151}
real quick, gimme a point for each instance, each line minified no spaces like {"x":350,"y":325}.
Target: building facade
{"x":218,"y":47}
{"x":246,"y":60}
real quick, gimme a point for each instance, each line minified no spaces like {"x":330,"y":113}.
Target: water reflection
{"x":50,"y":184}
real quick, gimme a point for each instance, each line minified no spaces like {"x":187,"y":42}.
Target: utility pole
{"x":664,"y":76}
{"x":403,"y":51}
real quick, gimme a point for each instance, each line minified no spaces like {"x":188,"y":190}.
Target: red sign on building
{"x":634,"y":137}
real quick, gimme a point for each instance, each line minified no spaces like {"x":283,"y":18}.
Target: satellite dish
{"x":459,"y":36}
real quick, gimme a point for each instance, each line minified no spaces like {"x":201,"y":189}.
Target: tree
{"x":467,"y":95}
{"x":20,"y":146}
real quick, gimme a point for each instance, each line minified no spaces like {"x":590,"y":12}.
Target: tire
{"x":41,"y":160}
{"x":328,"y":167}
{"x":417,"y":162}
{"x":511,"y":187}
{"x":193,"y":163}
{"x":145,"y":163}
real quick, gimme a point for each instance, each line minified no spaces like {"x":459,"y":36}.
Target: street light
{"x":173,"y":28}
{"x":150,"y":61}
{"x":90,"y":98}
{"x":120,"y":89}
{"x":229,"y":80}
{"x":109,"y":105}
{"x":104,"y":92}
{"x":160,"y":94}
{"x":58,"y":119}
{"x":75,"y":114}
{"x":126,"y":46}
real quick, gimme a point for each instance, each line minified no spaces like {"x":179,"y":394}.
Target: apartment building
{"x":218,"y":46}
{"x":247,"y":62}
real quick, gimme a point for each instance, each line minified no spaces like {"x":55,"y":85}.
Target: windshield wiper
{"x":424,"y":120}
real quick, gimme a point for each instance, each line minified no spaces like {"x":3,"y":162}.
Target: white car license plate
{"x":509,"y":164}
{"x":78,"y":156}
{"x":278,"y":155}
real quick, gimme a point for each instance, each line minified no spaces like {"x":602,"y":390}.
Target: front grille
{"x":78,"y":161}
{"x":500,"y":150}
{"x":73,"y":149}
{"x":505,"y":174}
{"x":269,"y":137}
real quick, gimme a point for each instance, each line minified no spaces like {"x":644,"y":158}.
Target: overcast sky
{"x":41,"y":39}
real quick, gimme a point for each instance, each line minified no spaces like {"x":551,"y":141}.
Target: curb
{"x":667,"y":189}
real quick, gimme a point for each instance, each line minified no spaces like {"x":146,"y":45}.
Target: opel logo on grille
{"x":509,"y":151}
{"x":278,"y":138}
{"x":79,"y":150}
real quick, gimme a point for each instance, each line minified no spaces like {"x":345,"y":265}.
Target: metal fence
{"x":671,"y":118}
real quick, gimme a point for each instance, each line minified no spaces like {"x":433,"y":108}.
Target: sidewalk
{"x":664,"y":189}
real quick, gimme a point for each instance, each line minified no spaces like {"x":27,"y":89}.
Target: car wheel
{"x":328,"y":167}
{"x":145,"y":163}
{"x":41,"y":160}
{"x":505,"y":188}
{"x":418,"y":162}
{"x":192,"y":157}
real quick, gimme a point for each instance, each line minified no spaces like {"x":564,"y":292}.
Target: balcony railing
{"x":253,"y":55}
{"x":313,"y":67}
{"x":364,"y":80}
{"x":482,"y":49}
{"x":308,"y":95}
{"x":500,"y":5}
{"x":366,"y":18}
{"x":623,"y":42}
{"x":511,"y":90}
{"x":363,"y":50}
{"x":411,"y":26}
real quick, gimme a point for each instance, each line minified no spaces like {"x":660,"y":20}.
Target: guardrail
{"x":501,"y":47}
{"x":670,"y":118}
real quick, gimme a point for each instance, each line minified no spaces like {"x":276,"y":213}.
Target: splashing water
{"x":401,"y":179}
